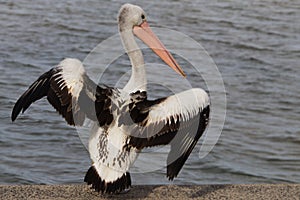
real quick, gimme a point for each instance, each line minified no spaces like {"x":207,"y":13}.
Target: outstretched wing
{"x":179,"y":120}
{"x":71,"y":92}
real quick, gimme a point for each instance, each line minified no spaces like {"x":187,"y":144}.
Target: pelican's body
{"x":125,"y":120}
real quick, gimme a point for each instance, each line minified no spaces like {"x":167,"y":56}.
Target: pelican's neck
{"x":138,"y":79}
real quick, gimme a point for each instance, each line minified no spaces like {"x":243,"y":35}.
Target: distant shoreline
{"x":82,"y":191}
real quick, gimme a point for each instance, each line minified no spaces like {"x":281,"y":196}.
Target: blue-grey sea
{"x":254,"y":44}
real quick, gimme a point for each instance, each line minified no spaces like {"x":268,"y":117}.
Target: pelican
{"x":125,"y":120}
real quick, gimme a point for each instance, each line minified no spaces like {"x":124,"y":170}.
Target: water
{"x":255,"y":45}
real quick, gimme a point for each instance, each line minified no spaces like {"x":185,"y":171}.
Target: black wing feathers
{"x":61,"y":99}
{"x":52,"y":85}
{"x":181,"y":135}
{"x":139,"y":108}
{"x":101,"y":111}
{"x":174,"y":167}
{"x":48,"y":85}
{"x":36,"y":91}
{"x":103,"y":105}
{"x":163,"y":137}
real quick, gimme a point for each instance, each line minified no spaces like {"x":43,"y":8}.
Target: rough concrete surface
{"x":80,"y":191}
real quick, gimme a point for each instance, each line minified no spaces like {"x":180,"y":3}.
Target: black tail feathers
{"x":118,"y":186}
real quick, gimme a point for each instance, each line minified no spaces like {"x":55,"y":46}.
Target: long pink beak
{"x":144,"y":33}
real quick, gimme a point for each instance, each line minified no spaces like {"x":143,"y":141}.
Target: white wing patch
{"x":72,"y":75}
{"x":186,"y":104}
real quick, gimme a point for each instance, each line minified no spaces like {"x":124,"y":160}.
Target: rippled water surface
{"x":255,"y":45}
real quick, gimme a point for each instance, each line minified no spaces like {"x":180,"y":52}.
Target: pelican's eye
{"x":143,"y":16}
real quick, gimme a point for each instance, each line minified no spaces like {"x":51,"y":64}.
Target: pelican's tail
{"x":112,"y":182}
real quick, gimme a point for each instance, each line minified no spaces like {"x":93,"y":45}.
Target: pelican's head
{"x":132,"y":18}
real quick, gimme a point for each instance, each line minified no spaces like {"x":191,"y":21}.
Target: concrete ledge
{"x":259,"y":191}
